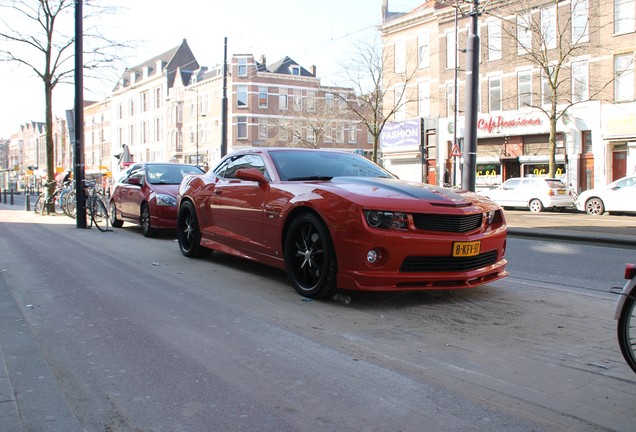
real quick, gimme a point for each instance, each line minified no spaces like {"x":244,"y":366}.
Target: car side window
{"x":136,"y":172}
{"x":244,"y":161}
{"x":512,"y":184}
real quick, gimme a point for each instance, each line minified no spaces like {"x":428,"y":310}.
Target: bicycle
{"x":45,"y":200}
{"x":95,"y":206}
{"x":625,"y":313}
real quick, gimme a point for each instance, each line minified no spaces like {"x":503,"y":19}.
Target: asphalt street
{"x":43,"y":406}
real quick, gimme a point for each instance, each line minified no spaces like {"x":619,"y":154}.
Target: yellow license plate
{"x":561,"y":192}
{"x":466,"y":249}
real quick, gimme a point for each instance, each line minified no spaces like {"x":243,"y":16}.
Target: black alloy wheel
{"x":310,"y":259}
{"x":112,"y":212}
{"x":144,"y":221}
{"x":189,"y":233}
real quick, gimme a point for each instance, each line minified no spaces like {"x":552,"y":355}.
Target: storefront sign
{"x":491,"y":123}
{"x":406,"y":133}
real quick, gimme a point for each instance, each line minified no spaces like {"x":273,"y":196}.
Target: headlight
{"x":386,"y":219}
{"x":166,"y":200}
{"x":490,"y":217}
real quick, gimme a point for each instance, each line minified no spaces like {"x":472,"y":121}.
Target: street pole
{"x":80,"y":196}
{"x":224,"y":103}
{"x":197,"y":102}
{"x":472,"y":86}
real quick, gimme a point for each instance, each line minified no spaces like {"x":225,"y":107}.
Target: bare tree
{"x":551,"y":35}
{"x":38,"y":37}
{"x":368,"y":73}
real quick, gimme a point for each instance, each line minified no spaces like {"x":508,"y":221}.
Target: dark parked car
{"x":337,"y":220}
{"x":147,"y":195}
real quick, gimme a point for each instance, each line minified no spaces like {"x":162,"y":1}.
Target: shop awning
{"x":540,"y":159}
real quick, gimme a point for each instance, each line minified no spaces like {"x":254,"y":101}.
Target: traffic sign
{"x":455,"y":152}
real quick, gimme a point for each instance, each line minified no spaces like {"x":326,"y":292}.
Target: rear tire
{"x":39,"y":203}
{"x":627,"y":332}
{"x":189,"y":232}
{"x":310,"y":259}
{"x":594,"y":206}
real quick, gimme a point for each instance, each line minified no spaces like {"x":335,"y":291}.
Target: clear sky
{"x":312,"y":32}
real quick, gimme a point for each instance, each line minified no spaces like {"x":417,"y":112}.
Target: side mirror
{"x":251,"y":174}
{"x":136,"y":181}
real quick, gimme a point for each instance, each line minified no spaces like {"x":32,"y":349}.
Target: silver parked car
{"x":534,"y":193}
{"x":618,"y":196}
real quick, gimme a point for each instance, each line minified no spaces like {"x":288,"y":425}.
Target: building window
{"x":157,"y":129}
{"x":282,"y":99}
{"x":120,"y":111}
{"x":158,"y":97}
{"x":294,"y":70}
{"x":423,"y":50}
{"x":524,"y":34}
{"x":524,"y":89}
{"x":494,"y":40}
{"x":311,"y":136}
{"x":298,"y":100}
{"x":242,"y":66}
{"x":262,"y":97}
{"x":580,"y":81}
{"x":241,"y":123}
{"x":263,"y":132}
{"x":241,"y":96}
{"x":144,"y":101}
{"x":579,"y":21}
{"x":623,"y":16}
{"x":424,"y":99}
{"x":370,"y":137}
{"x":624,"y":77}
{"x":400,"y":56}
{"x":548,"y":27}
{"x":328,"y":136}
{"x":131,"y":107}
{"x":342,"y":101}
{"x":451,"y":53}
{"x":283,"y":133}
{"x":340,"y":133}
{"x":329,"y":102}
{"x":587,"y":141}
{"x":353,"y":133}
{"x":311,"y":100}
{"x":494,"y":94}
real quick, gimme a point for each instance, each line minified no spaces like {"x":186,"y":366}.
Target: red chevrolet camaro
{"x":335,"y":220}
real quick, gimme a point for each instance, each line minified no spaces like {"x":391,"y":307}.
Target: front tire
{"x":627,"y":331}
{"x":144,"y":221}
{"x":112,"y":213}
{"x":189,"y":233}
{"x":39,"y":203}
{"x":594,"y":206}
{"x":99,"y":213}
{"x":535,"y":206}
{"x":310,"y":258}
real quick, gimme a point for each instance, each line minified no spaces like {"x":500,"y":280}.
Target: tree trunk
{"x":552,"y":142}
{"x":50,"y":168}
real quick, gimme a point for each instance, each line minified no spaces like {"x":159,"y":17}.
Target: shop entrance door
{"x":619,"y":164}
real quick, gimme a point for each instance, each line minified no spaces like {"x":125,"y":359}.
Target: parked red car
{"x":147,"y":195}
{"x":335,"y":220}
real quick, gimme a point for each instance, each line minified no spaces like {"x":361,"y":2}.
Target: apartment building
{"x":590,"y":43}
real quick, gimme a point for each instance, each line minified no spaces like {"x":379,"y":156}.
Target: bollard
{"x":4,"y":196}
{"x":11,"y":196}
{"x":27,"y":200}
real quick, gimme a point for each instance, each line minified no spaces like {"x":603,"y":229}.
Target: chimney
{"x":263,"y":60}
{"x":313,"y":70}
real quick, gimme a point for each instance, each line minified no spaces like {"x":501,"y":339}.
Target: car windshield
{"x":170,"y":173}
{"x":324,"y":165}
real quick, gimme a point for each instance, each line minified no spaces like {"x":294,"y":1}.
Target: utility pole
{"x":224,"y":103}
{"x":80,"y":196}
{"x":472,"y":91}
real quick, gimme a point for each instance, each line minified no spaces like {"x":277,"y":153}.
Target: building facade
{"x":591,"y":47}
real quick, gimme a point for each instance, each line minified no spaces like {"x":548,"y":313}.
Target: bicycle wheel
{"x":627,"y":331}
{"x":39,"y":203}
{"x":99,"y":215}
{"x":70,"y":205}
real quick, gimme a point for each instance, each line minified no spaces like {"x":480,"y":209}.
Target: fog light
{"x":372,"y":256}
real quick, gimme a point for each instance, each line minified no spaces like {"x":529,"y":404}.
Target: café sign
{"x":491,"y":124}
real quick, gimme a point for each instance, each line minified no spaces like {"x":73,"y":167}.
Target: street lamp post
{"x":197,"y":114}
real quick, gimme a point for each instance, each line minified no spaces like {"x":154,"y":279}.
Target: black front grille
{"x":447,"y":223}
{"x":447,"y":263}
